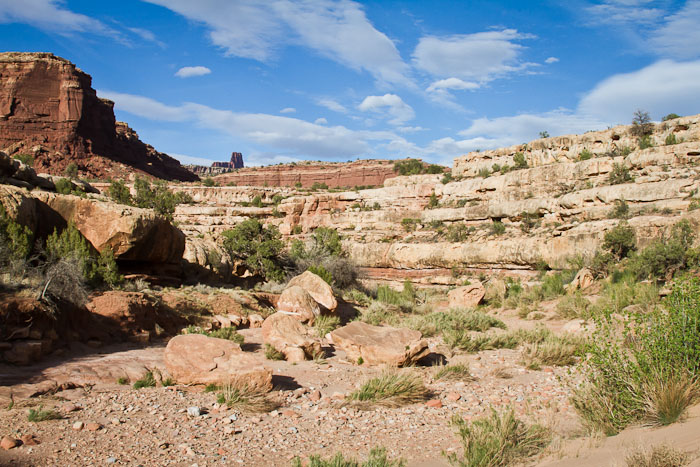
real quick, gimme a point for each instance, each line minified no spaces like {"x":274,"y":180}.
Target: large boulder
{"x":198,"y":359}
{"x":317,"y":288}
{"x":584,"y":279}
{"x":297,"y":302}
{"x":133,"y":234}
{"x":378,"y":345}
{"x":467,"y":296}
{"x":286,"y":335}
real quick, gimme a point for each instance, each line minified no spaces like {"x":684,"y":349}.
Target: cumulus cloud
{"x":551,"y":60}
{"x":332,"y":105}
{"x":320,"y":121}
{"x":392,"y":104}
{"x":483,"y":56}
{"x":50,"y":15}
{"x":190,"y":71}
{"x":410,"y":129}
{"x":451,"y":83}
{"x":288,"y":110}
{"x":338,"y":30}
{"x":661,"y":88}
{"x":295,"y":137}
{"x":625,"y":11}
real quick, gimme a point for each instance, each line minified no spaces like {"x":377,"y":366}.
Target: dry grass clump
{"x":553,"y":351}
{"x":667,"y":398}
{"x":498,"y":440}
{"x":325,"y":324}
{"x":456,"y":372}
{"x":377,"y":458}
{"x":273,"y":354}
{"x":661,"y":455}
{"x":392,"y":389}
{"x":574,"y":306}
{"x":245,"y":398}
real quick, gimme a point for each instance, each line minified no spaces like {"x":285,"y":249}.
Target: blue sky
{"x":285,"y":80}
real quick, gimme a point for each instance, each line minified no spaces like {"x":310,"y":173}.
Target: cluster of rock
{"x":198,"y":359}
{"x":50,"y":112}
{"x":218,"y":168}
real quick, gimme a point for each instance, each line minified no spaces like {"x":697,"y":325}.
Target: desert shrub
{"x":620,"y":174}
{"x":325,"y":324}
{"x":498,"y":440}
{"x":208,"y":182}
{"x":147,"y":381}
{"x":433,"y":202}
{"x":24,"y":158}
{"x":434,"y":169}
{"x":257,"y":201}
{"x":585,"y":155}
{"x":273,"y":354}
{"x":245,"y":398}
{"x":497,"y":228}
{"x":670,"y":116}
{"x":660,"y":455}
{"x":405,"y":299}
{"x":666,"y":256}
{"x":671,"y":139}
{"x":230,"y":334}
{"x":63,"y":186}
{"x":519,"y":161}
{"x":447,"y":178}
{"x":258,"y":246}
{"x":458,"y":233}
{"x":381,"y":313}
{"x":641,"y":124}
{"x":620,"y":211}
{"x":377,"y":458}
{"x":325,"y":257}
{"x":456,"y":372}
{"x":573,"y":306}
{"x":318,"y":186}
{"x":119,"y":192}
{"x":323,"y":273}
{"x":528,"y":221}
{"x":645,"y":142}
{"x":553,"y":350}
{"x":16,"y":239}
{"x":71,"y":170}
{"x":41,"y":415}
{"x":653,"y":375}
{"x":70,"y":245}
{"x":409,"y":224}
{"x":544,"y":134}
{"x":409,"y":167}
{"x":157,"y":197}
{"x":454,"y":319}
{"x":620,"y":241}
{"x":484,"y":172}
{"x":392,"y":388}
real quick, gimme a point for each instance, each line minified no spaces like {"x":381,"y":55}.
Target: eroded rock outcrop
{"x":49,"y":110}
{"x":287,"y":335}
{"x":297,"y":302}
{"x":317,"y":288}
{"x":379,"y":345}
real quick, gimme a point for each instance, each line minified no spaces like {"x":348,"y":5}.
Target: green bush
{"x":157,"y":197}
{"x":497,"y":228}
{"x":632,"y":380}
{"x":147,"y":381}
{"x":26,"y":159}
{"x":257,"y":201}
{"x":434,"y":169}
{"x":447,"y":178}
{"x":325,"y":254}
{"x":620,"y":174}
{"x":409,"y":167}
{"x":664,"y":257}
{"x":484,"y":172}
{"x":433,"y":202}
{"x":439,"y":322}
{"x":321,"y":272}
{"x":645,"y":142}
{"x":519,"y":161}
{"x":318,"y":186}
{"x":119,"y":192}
{"x":377,"y":458}
{"x":258,"y":246}
{"x":14,"y":237}
{"x":620,"y":211}
{"x":63,"y":186}
{"x":409,"y":225}
{"x":458,"y":233}
{"x":671,"y":139}
{"x":209,"y":182}
{"x":71,"y":170}
{"x":620,"y":241}
{"x":670,"y":116}
{"x":585,"y":155}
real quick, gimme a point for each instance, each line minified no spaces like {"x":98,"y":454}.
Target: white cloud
{"x":190,"y":71}
{"x":50,"y":15}
{"x":338,"y":30}
{"x":288,"y":110}
{"x":410,"y":129}
{"x":320,"y":121}
{"x":297,"y":138}
{"x":332,"y":105}
{"x":680,"y":35}
{"x":661,"y":88}
{"x":551,"y":60}
{"x":147,"y":35}
{"x":625,"y":11}
{"x":185,"y":159}
{"x":452,"y":83}
{"x":483,"y":56}
{"x":394,"y":105}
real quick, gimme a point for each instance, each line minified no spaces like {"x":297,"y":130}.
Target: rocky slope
{"x":49,"y":111}
{"x":421,"y":228}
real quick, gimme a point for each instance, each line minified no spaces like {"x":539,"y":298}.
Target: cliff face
{"x":350,"y":174}
{"x":49,"y":110}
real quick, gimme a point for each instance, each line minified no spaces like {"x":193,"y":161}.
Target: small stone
{"x":290,"y":413}
{"x":77,"y":426}
{"x":115,"y":421}
{"x":29,"y":440}
{"x":226,"y":421}
{"x":8,"y":443}
{"x":453,"y":396}
{"x":315,"y":396}
{"x":93,"y":426}
{"x":68,"y":407}
{"x":434,"y":403}
{"x":111,"y":460}
{"x":194,"y":411}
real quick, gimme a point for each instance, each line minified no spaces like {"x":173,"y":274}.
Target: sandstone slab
{"x":298,"y":302}
{"x":287,"y":335}
{"x":467,"y":296}
{"x":378,"y":345}
{"x":198,"y":359}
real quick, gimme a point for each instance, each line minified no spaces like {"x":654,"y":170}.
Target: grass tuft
{"x":658,"y":456}
{"x":498,"y":440}
{"x":667,"y":398}
{"x":41,"y":415}
{"x":553,"y":351}
{"x":148,"y":381}
{"x":273,"y":354}
{"x":456,"y":372}
{"x":377,"y":458}
{"x":392,"y":389}
{"x":326,"y":324}
{"x":245,"y":398}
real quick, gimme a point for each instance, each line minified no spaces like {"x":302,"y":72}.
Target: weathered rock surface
{"x":198,"y":359}
{"x":467,"y":296}
{"x":287,"y":335}
{"x":378,"y":345}
{"x":317,"y":288}
{"x":296,"y":301}
{"x":583,"y":279}
{"x":49,"y":110}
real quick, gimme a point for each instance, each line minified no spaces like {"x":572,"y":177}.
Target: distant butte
{"x":49,"y":111}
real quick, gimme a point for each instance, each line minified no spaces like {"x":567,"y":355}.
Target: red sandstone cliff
{"x":346,"y":174}
{"x":48,"y":109}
